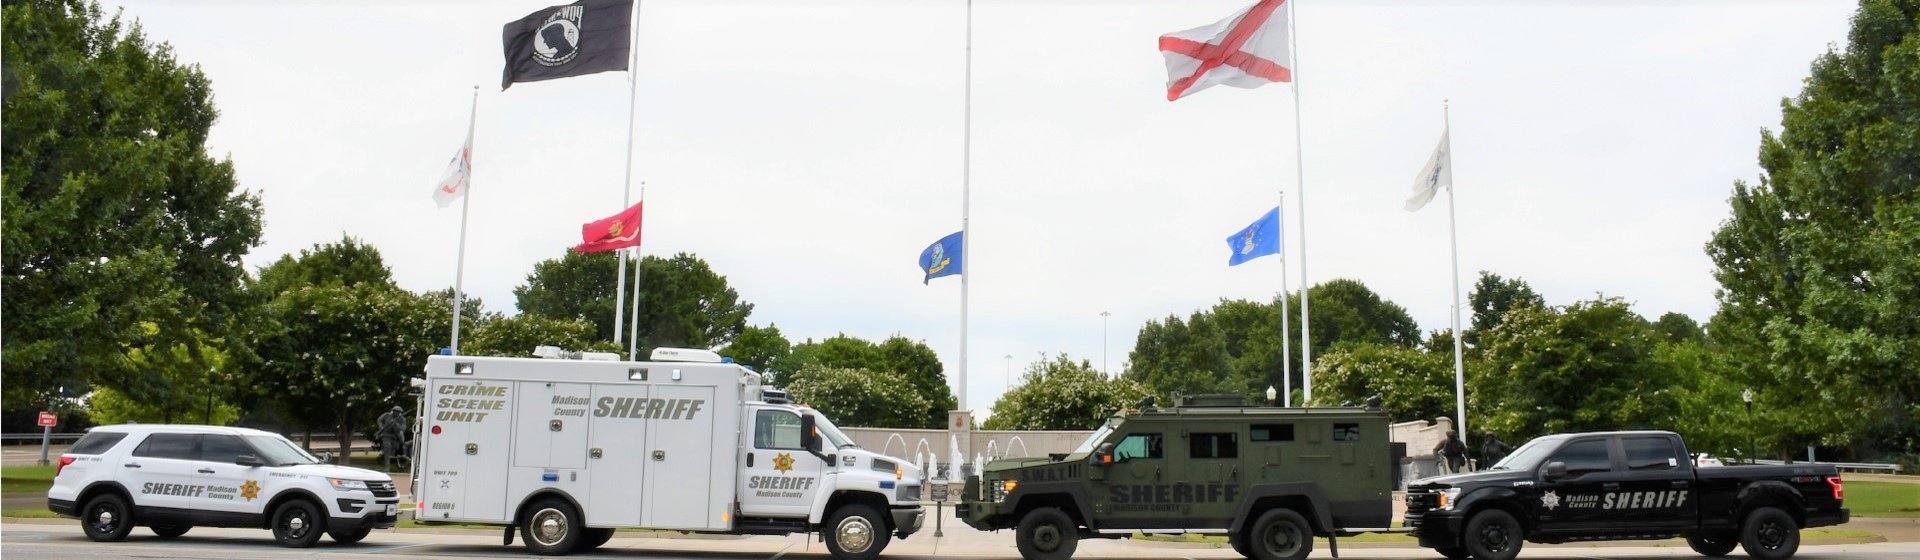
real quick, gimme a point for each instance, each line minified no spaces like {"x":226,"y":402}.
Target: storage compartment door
{"x":680,"y":448}
{"x":551,"y":425}
{"x":616,"y":455}
{"x":467,"y":460}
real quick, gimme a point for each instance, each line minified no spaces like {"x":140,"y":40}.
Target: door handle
{"x":1679,"y":484}
{"x":1611,"y":486}
{"x":206,"y":471}
{"x":131,"y":465}
{"x":750,"y":458}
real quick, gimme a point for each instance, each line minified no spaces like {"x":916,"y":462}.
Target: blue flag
{"x":1259,"y":239}
{"x":942,"y":258}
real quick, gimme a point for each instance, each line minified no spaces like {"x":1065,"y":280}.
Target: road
{"x":63,"y":540}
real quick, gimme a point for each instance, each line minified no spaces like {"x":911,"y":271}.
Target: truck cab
{"x":1269,"y":478}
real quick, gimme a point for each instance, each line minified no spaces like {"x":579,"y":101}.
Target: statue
{"x":392,"y":435}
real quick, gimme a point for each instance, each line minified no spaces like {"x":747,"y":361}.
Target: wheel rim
{"x":1282,"y":539}
{"x":106,"y":518}
{"x":296,"y":523}
{"x":854,"y":534}
{"x":1772,"y":535}
{"x":1495,"y":537}
{"x":1046,"y":538}
{"x":549,"y":527}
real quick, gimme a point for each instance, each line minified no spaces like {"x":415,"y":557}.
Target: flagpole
{"x":626,"y":194}
{"x":1459,"y":364}
{"x":639,"y":272}
{"x":1300,"y":164}
{"x":1286,"y":336}
{"x":966,"y":202}
{"x":466,"y":201}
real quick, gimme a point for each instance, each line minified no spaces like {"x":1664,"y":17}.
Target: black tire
{"x":1454,"y":552}
{"x":856,"y":532}
{"x":594,"y":538}
{"x":299,"y":524}
{"x":552,"y":527}
{"x":350,"y":537}
{"x":1770,"y":534}
{"x":1493,"y":535}
{"x":170,"y":531}
{"x":1714,"y":544}
{"x":106,"y":518}
{"x":1280,"y":534}
{"x":1047,"y":534}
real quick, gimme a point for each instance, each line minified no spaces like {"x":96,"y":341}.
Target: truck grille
{"x":381,"y":488}
{"x":1421,"y":502}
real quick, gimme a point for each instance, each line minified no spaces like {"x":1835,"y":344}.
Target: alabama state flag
{"x":1246,"y":50}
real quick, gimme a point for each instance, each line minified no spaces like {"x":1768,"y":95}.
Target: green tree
{"x":759,"y":348}
{"x":1677,"y":327}
{"x":1492,"y":297}
{"x":1061,"y":394}
{"x":184,"y":388}
{"x":684,"y":303}
{"x":912,"y":361}
{"x":518,"y":335}
{"x":1819,"y":284}
{"x":859,"y":397}
{"x":1412,"y":384}
{"x":1709,"y":412}
{"x":1590,"y":366}
{"x":113,"y":216}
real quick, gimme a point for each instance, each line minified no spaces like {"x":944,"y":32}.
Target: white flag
{"x":459,"y":173}
{"x":1246,"y":50}
{"x":1437,"y":173}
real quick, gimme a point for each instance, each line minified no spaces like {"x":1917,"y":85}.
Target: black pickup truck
{"x":1620,"y":486}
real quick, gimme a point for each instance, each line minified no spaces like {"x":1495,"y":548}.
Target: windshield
{"x":1526,"y":457}
{"x":277,"y":451}
{"x":827,"y":429}
{"x":1092,"y":440}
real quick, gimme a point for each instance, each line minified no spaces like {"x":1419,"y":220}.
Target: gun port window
{"x":1346,"y":432}
{"x":1272,"y":432}
{"x":1214,"y":446}
{"x":1650,"y":454}
{"x":1138,"y":446}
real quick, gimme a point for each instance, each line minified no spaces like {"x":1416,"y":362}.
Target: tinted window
{"x":776,"y":429}
{"x":1214,"y":446}
{"x":1272,"y":432}
{"x":1346,"y":432}
{"x":1584,"y":457}
{"x":1138,"y":446}
{"x":95,"y":443}
{"x":1650,"y":454}
{"x":169,"y":446}
{"x":215,"y":448}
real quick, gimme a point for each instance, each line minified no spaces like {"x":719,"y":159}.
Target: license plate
{"x":393,"y":509}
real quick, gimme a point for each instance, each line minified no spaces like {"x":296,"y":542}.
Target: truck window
{"x":1272,"y":432}
{"x":215,"y":448}
{"x":1346,"y":432}
{"x":1584,"y":457}
{"x":169,"y":446}
{"x":1650,"y":454}
{"x":776,"y":429}
{"x":1214,"y":446}
{"x":1138,"y":446}
{"x":95,"y":443}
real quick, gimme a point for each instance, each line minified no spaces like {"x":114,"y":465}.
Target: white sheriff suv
{"x":170,"y":478}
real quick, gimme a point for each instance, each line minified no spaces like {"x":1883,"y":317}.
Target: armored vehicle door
{"x":1136,"y":491}
{"x":1212,"y":483}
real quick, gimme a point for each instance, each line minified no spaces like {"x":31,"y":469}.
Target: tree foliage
{"x":114,"y":218}
{"x":912,"y":361}
{"x":1586,"y":367}
{"x":860,"y":397}
{"x":1413,"y":384}
{"x":1492,"y":297}
{"x":759,"y":348}
{"x":1819,"y":263}
{"x":684,"y":303}
{"x":500,"y":335}
{"x":1061,"y":394}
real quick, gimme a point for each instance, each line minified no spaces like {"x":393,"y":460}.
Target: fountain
{"x":990,"y":450}
{"x":954,"y":458}
{"x":1023,"y":446}
{"x":889,"y":444}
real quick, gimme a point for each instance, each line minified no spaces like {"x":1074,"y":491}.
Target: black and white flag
{"x":577,"y":39}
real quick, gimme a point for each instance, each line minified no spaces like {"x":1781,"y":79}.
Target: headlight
{"x":1001,"y":488}
{"x":1448,"y":497}
{"x":345,"y":485}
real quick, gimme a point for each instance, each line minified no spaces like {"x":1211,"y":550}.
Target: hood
{"x":1013,"y":463}
{"x":1470,"y":479}
{"x":908,"y":470}
{"x":336,"y":471}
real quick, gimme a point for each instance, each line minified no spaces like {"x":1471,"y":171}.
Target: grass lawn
{"x":34,"y":479}
{"x":1883,"y":499}
{"x":42,"y":513}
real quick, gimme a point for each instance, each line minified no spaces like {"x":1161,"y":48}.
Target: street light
{"x":1009,"y":372}
{"x":1272,"y":395}
{"x":1103,"y":343}
{"x":1747,"y":395}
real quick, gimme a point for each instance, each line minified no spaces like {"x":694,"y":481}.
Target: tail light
{"x":1839,"y":489}
{"x":64,"y":461}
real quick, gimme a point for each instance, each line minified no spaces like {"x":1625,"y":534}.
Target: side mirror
{"x":326,"y":456}
{"x":1102,"y":456}
{"x":1556,"y":470}
{"x":247,"y":460}
{"x":809,"y":435}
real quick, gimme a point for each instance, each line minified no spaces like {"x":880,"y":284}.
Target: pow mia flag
{"x":577,"y":39}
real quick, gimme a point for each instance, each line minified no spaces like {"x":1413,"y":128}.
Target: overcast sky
{"x":810,"y":150}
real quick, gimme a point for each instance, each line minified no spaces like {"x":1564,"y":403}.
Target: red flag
{"x":617,"y":232}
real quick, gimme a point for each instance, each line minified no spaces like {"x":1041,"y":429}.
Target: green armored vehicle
{"x":1268,"y":478}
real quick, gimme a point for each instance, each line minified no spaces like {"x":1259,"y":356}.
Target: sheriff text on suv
{"x":170,"y":478}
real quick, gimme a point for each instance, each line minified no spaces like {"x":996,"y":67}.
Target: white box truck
{"x":566,"y":450}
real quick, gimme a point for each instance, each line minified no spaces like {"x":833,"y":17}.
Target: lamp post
{"x":1103,"y":343}
{"x":1747,"y":395}
{"x":1009,"y":372}
{"x":1273,"y":395}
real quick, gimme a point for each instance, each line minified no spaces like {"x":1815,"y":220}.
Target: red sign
{"x":48,"y":420}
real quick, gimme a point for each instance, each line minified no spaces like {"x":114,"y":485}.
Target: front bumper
{"x":1437,"y":529}
{"x":907,"y":519}
{"x":349,"y":524}
{"x":356,"y":512}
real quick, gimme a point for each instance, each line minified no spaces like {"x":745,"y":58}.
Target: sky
{"x":810,"y":150}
